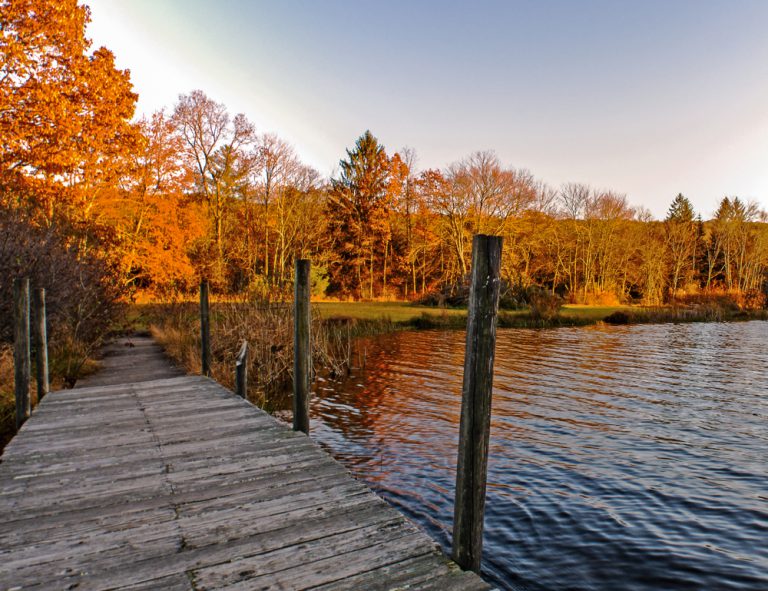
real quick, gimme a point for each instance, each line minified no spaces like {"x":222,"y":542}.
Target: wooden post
{"x":475,"y":427}
{"x":205,"y":329}
{"x":22,"y":364}
{"x":241,"y":371}
{"x":41,"y":345}
{"x":302,"y":352}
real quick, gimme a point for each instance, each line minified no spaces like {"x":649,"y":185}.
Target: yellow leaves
{"x":65,"y":118}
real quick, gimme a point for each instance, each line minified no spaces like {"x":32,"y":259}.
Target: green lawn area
{"x":138,"y":317}
{"x":404,"y":311}
{"x":395,"y":311}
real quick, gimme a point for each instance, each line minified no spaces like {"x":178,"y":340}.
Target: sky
{"x":648,"y":98}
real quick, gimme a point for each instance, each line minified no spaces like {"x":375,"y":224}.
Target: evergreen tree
{"x":358,"y":206}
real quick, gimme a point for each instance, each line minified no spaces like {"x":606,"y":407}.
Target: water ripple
{"x":620,"y":457}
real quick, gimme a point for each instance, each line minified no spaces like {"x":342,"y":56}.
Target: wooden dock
{"x":144,"y":478}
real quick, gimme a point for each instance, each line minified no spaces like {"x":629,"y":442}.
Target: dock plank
{"x":144,"y":478}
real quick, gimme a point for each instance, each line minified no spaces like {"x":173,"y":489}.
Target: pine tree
{"x":358,"y":206}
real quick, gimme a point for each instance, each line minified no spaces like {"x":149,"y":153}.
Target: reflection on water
{"x":621,"y":457}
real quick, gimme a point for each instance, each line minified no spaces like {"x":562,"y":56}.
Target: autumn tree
{"x":454,"y":207}
{"x":64,"y":111}
{"x":572,"y":239}
{"x":592,"y":251}
{"x":217,"y":147}
{"x":357,"y":211}
{"x":416,"y":244}
{"x":154,"y":214}
{"x":530,"y":258}
{"x":278,"y":168}
{"x":299,"y":223}
{"x":431,"y":247}
{"x":681,"y":240}
{"x":483,"y":197}
{"x":608,"y":220}
{"x":735,"y":247}
{"x":648,"y":264}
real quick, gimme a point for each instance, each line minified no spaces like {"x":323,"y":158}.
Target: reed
{"x":268,"y":328}
{"x":69,"y":360}
{"x":7,"y":399}
{"x":676,"y":314}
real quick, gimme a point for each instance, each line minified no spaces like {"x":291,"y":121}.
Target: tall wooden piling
{"x":475,"y":426}
{"x":302,"y":351}
{"x":41,"y":344}
{"x":205,"y":329}
{"x":241,"y":371}
{"x":22,"y":364}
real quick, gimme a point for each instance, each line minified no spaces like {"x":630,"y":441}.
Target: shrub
{"x":602,"y":298}
{"x":456,"y":295}
{"x":451,"y":295}
{"x":7,"y":401}
{"x":618,"y":317}
{"x":81,"y":294}
{"x":545,"y":306}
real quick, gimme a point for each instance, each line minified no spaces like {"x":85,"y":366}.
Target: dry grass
{"x":268,"y":328}
{"x":7,"y":402}
{"x":68,"y":361}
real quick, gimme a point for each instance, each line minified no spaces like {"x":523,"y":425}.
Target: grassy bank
{"x":405,"y":315}
{"x":268,"y":329}
{"x":372,"y":317}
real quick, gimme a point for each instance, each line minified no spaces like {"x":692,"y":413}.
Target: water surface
{"x":621,"y":457}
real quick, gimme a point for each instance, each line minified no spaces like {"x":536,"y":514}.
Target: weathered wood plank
{"x":278,"y":568}
{"x":180,"y":582}
{"x":411,"y":571}
{"x":175,"y":483}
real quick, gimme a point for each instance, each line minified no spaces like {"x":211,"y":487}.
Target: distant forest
{"x":198,"y":192}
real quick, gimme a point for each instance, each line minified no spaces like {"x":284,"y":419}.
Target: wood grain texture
{"x":41,"y":344}
{"x":302,"y":348}
{"x":475,"y":423}
{"x":241,"y":371}
{"x":205,"y":329}
{"x":142,"y":478}
{"x":22,"y":364}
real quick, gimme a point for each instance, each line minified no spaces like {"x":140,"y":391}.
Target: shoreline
{"x":455,"y":319}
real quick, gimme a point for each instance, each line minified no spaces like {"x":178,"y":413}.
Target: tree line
{"x":196,"y":192}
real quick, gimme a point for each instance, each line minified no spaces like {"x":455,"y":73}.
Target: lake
{"x":621,"y":457}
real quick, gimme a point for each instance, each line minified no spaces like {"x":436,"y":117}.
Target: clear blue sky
{"x":649,"y":98}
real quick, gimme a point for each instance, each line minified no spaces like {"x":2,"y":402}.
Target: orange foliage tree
{"x":157,"y":221}
{"x":216,"y":147}
{"x":64,"y":111}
